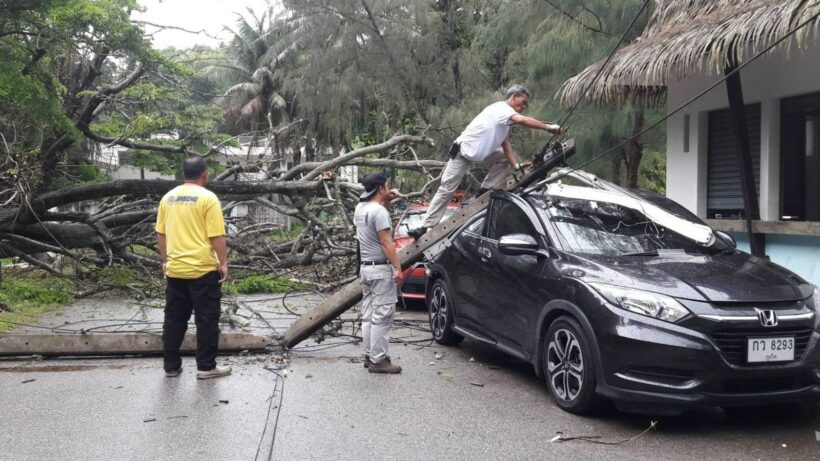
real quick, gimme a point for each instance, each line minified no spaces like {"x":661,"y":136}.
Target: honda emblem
{"x":767,"y":318}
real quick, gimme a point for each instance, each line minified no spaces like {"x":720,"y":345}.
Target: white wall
{"x":765,"y":81}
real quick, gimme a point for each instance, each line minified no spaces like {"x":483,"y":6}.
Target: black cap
{"x":372,"y":182}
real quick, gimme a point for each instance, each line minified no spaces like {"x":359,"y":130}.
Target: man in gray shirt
{"x":380,"y":272}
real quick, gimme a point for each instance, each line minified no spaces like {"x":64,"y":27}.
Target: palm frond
{"x":244,"y":91}
{"x":685,"y":37}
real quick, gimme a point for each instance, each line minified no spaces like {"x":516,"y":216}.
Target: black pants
{"x":182,"y":296}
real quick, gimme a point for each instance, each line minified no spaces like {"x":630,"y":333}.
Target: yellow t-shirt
{"x":189,"y":215}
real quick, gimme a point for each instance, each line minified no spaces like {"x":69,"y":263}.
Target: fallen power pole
{"x":56,"y":344}
{"x":350,"y":294}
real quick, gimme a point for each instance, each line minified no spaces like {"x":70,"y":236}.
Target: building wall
{"x":798,"y":253}
{"x":766,"y":81}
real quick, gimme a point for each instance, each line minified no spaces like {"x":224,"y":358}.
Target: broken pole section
{"x":350,"y":294}
{"x":56,"y":344}
{"x":751,"y":207}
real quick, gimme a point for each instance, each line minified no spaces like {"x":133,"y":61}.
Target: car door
{"x":465,"y":273}
{"x":513,"y":294}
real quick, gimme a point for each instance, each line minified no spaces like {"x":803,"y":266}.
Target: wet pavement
{"x":472,"y":402}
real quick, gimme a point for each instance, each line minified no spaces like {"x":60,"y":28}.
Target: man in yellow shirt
{"x":191,"y":237}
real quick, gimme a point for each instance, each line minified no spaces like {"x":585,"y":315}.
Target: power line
{"x":598,"y":74}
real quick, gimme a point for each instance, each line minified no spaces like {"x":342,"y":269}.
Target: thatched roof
{"x":685,"y":37}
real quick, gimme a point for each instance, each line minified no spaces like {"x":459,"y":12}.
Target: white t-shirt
{"x":486,"y":132}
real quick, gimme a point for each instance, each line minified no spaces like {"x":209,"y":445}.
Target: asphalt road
{"x":490,"y":407}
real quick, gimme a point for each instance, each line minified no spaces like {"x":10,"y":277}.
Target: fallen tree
{"x":111,"y":223}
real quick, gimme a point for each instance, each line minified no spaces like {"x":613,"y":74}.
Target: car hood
{"x":737,"y":277}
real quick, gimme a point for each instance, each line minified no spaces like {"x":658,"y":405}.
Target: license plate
{"x":779,"y":349}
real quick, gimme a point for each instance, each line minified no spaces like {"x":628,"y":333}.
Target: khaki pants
{"x":454,"y":171}
{"x":378,"y":309}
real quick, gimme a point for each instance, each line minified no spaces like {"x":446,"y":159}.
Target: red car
{"x":415,"y":279}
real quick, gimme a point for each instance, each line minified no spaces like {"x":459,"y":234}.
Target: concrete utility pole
{"x":351,"y":293}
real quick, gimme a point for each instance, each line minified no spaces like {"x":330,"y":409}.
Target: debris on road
{"x":29,"y":381}
{"x":477,"y":384}
{"x":224,"y":401}
{"x":472,"y":359}
{"x":596,"y":438}
{"x":439,"y":355}
{"x":149,"y":420}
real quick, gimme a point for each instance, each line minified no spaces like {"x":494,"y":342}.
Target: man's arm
{"x":530,"y":122}
{"x":163,"y":252}
{"x":508,"y":152}
{"x":389,"y":248}
{"x":221,"y":247}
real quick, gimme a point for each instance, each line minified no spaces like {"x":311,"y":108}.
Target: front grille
{"x":734,"y":343}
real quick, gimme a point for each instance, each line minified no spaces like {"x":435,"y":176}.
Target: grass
{"x":23,"y":298}
{"x":260,"y":284}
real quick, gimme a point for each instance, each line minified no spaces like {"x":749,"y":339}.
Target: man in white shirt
{"x":486,"y":139}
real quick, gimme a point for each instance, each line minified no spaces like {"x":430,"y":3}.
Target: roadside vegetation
{"x":23,"y":296}
{"x":255,"y":284}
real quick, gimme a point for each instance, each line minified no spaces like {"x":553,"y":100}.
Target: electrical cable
{"x":276,"y":386}
{"x":597,"y":74}
{"x":693,"y":99}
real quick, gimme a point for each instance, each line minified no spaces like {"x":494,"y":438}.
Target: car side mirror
{"x":726,"y":237}
{"x":518,"y":244}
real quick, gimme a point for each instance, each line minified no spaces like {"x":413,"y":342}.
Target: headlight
{"x":645,"y":303}
{"x":816,"y":299}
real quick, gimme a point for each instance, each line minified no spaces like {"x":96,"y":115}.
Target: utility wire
{"x":598,"y":74}
{"x":694,"y":98}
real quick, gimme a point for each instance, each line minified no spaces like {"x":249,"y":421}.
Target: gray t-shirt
{"x":370,"y":218}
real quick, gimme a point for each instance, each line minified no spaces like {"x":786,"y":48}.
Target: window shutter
{"x":724,"y":192}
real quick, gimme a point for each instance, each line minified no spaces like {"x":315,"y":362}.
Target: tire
{"x":440,"y":310}
{"x":569,"y":368}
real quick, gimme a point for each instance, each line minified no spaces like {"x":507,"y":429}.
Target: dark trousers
{"x":182,"y":296}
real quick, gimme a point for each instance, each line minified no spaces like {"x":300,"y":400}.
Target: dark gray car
{"x":608,"y":303}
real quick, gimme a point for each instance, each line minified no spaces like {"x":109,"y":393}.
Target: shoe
{"x":367,"y":361}
{"x":174,"y":373}
{"x":384,"y":367}
{"x":217,"y":372}
{"x":417,"y":232}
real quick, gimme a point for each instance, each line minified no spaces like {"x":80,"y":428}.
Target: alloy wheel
{"x":565,"y":365}
{"x":438,"y":311}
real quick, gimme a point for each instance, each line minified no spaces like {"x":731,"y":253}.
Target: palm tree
{"x":257,"y":59}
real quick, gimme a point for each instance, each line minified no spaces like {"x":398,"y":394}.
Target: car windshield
{"x":591,"y":227}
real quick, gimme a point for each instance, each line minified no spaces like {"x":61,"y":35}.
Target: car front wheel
{"x":568,"y":366}
{"x":440,"y":308}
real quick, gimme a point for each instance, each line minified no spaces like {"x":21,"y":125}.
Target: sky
{"x":210,"y":15}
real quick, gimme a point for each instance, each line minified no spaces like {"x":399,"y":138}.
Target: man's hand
{"x":394,"y":193}
{"x":555,"y":129}
{"x":398,"y":275}
{"x":223,"y":272}
{"x":522,"y":165}
{"x":164,"y":270}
